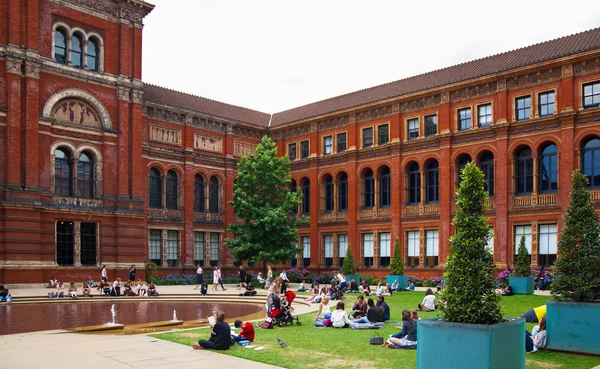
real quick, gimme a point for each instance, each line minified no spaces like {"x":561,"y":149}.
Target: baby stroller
{"x":282,"y":312}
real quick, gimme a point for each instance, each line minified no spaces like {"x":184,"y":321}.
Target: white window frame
{"x":548,"y":239}
{"x":413,"y":243}
{"x":368,"y":244}
{"x":384,"y":244}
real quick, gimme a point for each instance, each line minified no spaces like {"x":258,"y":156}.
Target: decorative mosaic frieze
{"x":473,"y":92}
{"x":586,"y":66}
{"x":378,"y":112}
{"x":208,"y":143}
{"x":241,"y":148}
{"x":125,"y":11}
{"x":248,"y":133}
{"x":165,"y":135}
{"x":421,"y":103}
{"x":335,"y":122}
{"x":76,"y":111}
{"x":534,"y":78}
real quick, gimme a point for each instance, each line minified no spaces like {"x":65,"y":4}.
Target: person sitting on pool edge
{"x":246,"y":333}
{"x":220,"y":335}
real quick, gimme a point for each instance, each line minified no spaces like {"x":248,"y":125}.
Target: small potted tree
{"x":397,"y":267}
{"x":349,"y":267}
{"x":470,"y":332}
{"x":572,"y":317}
{"x":522,"y":281}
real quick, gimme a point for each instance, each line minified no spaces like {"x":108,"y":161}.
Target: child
{"x":204,"y":288}
{"x":302,"y":287}
{"x":105,"y":288}
{"x":72,"y":290}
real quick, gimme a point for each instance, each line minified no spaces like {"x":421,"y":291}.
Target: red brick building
{"x":98,"y":168}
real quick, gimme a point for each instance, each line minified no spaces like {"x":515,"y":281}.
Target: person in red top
{"x":246,"y":333}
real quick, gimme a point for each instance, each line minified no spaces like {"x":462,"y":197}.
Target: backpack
{"x":267,"y":324}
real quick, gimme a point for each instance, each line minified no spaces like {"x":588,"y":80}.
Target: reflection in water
{"x":19,"y":318}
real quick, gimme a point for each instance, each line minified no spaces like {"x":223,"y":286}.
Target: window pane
{"x":367,"y":137}
{"x":76,"y":51}
{"x":199,"y":195}
{"x":172,"y":190}
{"x":464,"y":119}
{"x":523,"y":108}
{"x":341,"y":142}
{"x":60,"y":47}
{"x":155,"y":189}
{"x":343,"y":193}
{"x":215,"y":249}
{"x":292,"y":151}
{"x":92,"y":55}
{"x":383,"y":134}
{"x":413,"y":129}
{"x":88,"y":243}
{"x":484,"y":115}
{"x":64,"y":243}
{"x":155,"y":246}
{"x":199,"y":248}
{"x":173,"y":248}
{"x":430,"y":125}
{"x":304,"y":150}
{"x":343,"y":247}
{"x":63,"y":179}
{"x":214,"y":196}
{"x":328,"y":145}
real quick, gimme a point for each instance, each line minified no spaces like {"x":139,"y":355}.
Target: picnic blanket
{"x":378,"y":325}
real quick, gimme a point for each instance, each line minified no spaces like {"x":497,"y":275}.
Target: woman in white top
{"x":198,"y":276}
{"x":339,"y":318}
{"x":538,"y":334}
{"x":104,"y":273}
{"x":269,"y":277}
{"x":215,"y":278}
{"x":323,"y":304}
{"x":428,"y":303}
{"x":284,"y":280}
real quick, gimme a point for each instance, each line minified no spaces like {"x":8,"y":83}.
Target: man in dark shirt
{"x":220,"y":336}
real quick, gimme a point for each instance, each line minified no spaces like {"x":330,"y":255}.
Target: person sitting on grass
{"x":334,"y":292}
{"x":394,"y":286}
{"x":364,"y":287}
{"x":324,"y":304}
{"x":339,"y":318}
{"x":302,"y":287}
{"x":386,"y":308}
{"x":246,"y":333}
{"x":538,"y":334}
{"x":204,"y":288}
{"x":428,"y":303}
{"x":507,"y":291}
{"x":353,"y":286}
{"x":410,"y":286}
{"x":535,"y":315}
{"x":374,"y":314}
{"x":359,"y":309}
{"x":220,"y":335}
{"x":407,"y":337}
{"x":440,"y":285}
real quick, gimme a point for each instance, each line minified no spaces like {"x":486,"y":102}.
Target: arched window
{"x":462,"y":162}
{"x":486,"y":164}
{"x":172,"y":190}
{"x":548,"y":169}
{"x":199,"y":195}
{"x":85,"y":176}
{"x":343,"y":192}
{"x":369,"y":190}
{"x":60,"y":46}
{"x":414,"y":184}
{"x":63,"y":177}
{"x":432,"y":194}
{"x":328,"y":193}
{"x":384,"y":187}
{"x":524,"y":172}
{"x":76,"y":51}
{"x":213,"y":195}
{"x":591,"y":162}
{"x":293,"y":188}
{"x":155,"y":189}
{"x":306,"y":197}
{"x":92,"y":54}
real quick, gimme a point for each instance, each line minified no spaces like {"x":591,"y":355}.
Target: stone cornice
{"x":116,"y":10}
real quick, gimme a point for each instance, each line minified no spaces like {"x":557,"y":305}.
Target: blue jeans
{"x":362,"y":320}
{"x":7,"y":298}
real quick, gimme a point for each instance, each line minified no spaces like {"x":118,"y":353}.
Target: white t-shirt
{"x":429,"y":302}
{"x":341,"y":278}
{"x":199,"y":270}
{"x":215,"y":276}
{"x":339,"y":318}
{"x":104,"y":273}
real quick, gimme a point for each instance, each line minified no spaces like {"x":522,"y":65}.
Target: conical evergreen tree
{"x":349,"y":266}
{"x":523,"y":266}
{"x":397,"y":265}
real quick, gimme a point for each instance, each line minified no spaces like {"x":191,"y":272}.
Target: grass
{"x":347,"y":348}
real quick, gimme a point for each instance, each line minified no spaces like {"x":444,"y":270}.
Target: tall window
{"x":60,"y":46}
{"x":430,"y":125}
{"x":65,"y":251}
{"x":63,"y":178}
{"x":384,"y":249}
{"x":369,"y":191}
{"x":342,"y":246}
{"x":306,"y":197}
{"x":92,"y":54}
{"x":343,"y":192}
{"x":462,"y":162}
{"x":172,"y":248}
{"x":431,"y":249}
{"x":155,"y":189}
{"x":341,"y":142}
{"x":215,"y":249}
{"x":523,"y":107}
{"x":384,"y":187}
{"x":383,"y":133}
{"x":412,"y":242}
{"x":486,"y":164}
{"x":414,"y":184}
{"x":199,"y":196}
{"x":547,"y":254}
{"x":328,"y":193}
{"x":520,"y":231}
{"x":88,"y":243}
{"x":304,"y":152}
{"x":591,"y":162}
{"x":367,"y":137}
{"x":328,"y":250}
{"x":548,"y":169}
{"x":292,"y":151}
{"x":172,"y":190}
{"x":213,"y":195}
{"x":432,"y":182}
{"x":327,"y":145}
{"x":464,"y":119}
{"x":306,"y":251}
{"x":524,"y":172}
{"x":546,"y":103}
{"x":154,"y":253}
{"x":76,"y":51}
{"x":484,"y":115}
{"x":591,"y":95}
{"x":413,"y":128}
{"x":85,"y":176}
{"x":199,"y":248}
{"x":368,"y":249}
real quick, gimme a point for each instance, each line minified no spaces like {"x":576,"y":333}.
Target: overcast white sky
{"x":273,"y":55}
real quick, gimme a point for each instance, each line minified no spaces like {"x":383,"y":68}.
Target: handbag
{"x":376,"y":339}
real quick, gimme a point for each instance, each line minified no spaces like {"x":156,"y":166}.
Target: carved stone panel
{"x":165,"y":135}
{"x":208,"y":143}
{"x":242,"y":148}
{"x":77,"y":112}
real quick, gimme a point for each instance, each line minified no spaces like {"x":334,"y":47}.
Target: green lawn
{"x":347,"y":348}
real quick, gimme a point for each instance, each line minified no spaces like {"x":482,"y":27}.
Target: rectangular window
{"x":591,"y":95}
{"x":341,"y":142}
{"x":547,"y":254}
{"x":430,"y":125}
{"x":413,"y":128}
{"x":65,"y":243}
{"x":383,"y":134}
{"x":464,"y":119}
{"x":172,"y":248}
{"x":412,"y":241}
{"x":88,"y":243}
{"x":328,"y":249}
{"x":304,"y":150}
{"x":327,"y":145}
{"x":306,"y":252}
{"x":432,"y":248}
{"x":343,"y":247}
{"x":215,"y":249}
{"x":292,"y":151}
{"x":523,"y":107}
{"x":484,"y":115}
{"x":520,"y":231}
{"x":490,"y":243}
{"x":546,"y":103}
{"x":367,"y":137}
{"x":384,"y":249}
{"x":199,"y":248}
{"x":155,"y":251}
{"x":368,"y":249}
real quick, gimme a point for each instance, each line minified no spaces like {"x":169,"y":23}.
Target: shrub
{"x":372,"y":281}
{"x":502,"y":278}
{"x":349,"y":266}
{"x":149,"y":268}
{"x":577,"y":275}
{"x":297,"y":275}
{"x":418,"y":281}
{"x":523,"y":265}
{"x":397,"y":265}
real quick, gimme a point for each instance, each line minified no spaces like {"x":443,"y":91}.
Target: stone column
{"x":335,"y":252}
{"x":423,"y":186}
{"x":335,"y":196}
{"x":77,"y":244}
{"x":534,"y":244}
{"x":206,"y":249}
{"x":164,"y":248}
{"x":376,"y":249}
{"x":535,"y":174}
{"x":421,"y":247}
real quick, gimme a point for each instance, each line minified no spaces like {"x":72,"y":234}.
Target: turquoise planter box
{"x":521,"y":285}
{"x":459,"y":346}
{"x":573,"y":326}
{"x":350,"y":277}
{"x":402,"y":280}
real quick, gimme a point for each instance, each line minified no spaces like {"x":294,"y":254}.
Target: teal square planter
{"x":573,"y":326}
{"x":402,"y":280}
{"x":521,"y":285}
{"x":350,"y":277}
{"x":460,"y":346}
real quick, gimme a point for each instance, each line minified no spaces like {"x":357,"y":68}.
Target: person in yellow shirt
{"x":535,"y":315}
